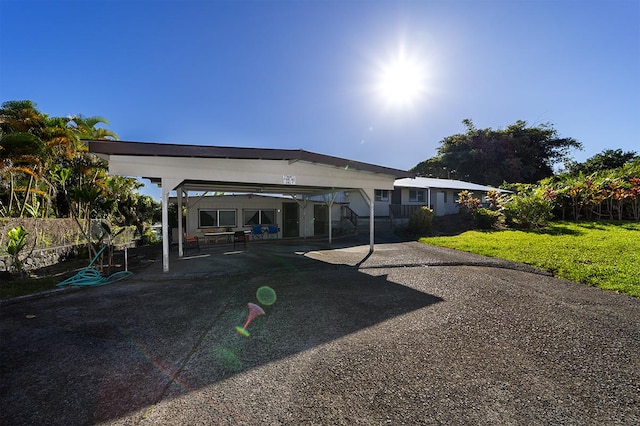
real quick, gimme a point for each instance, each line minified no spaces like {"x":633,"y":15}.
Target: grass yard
{"x":602,"y":254}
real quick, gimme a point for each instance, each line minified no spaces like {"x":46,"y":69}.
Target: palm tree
{"x":22,"y":163}
{"x":85,"y":128}
{"x":21,"y":117}
{"x":22,"y":168}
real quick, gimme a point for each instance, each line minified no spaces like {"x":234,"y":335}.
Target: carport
{"x":197,"y":168}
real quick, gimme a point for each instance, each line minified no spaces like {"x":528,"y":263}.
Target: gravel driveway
{"x":412,"y":334}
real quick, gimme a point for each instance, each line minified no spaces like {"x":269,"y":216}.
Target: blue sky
{"x":304,"y":74}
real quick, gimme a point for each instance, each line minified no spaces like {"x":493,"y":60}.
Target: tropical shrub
{"x":467,"y":202}
{"x":17,"y":242}
{"x":495,"y":199}
{"x":488,"y":219}
{"x":528,"y":210}
{"x":421,"y":221}
{"x":603,"y":195}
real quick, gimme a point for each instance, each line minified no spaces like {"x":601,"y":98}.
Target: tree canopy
{"x":606,"y":160}
{"x":517,"y":153}
{"x":47,"y":171}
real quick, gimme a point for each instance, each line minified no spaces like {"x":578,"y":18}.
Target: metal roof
{"x":423,"y":182}
{"x":201,"y":151}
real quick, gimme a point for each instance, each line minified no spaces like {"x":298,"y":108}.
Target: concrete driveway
{"x":409,"y":335}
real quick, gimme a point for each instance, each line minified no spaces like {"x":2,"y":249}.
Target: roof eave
{"x":107,"y":148}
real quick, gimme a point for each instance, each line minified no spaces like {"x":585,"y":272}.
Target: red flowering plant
{"x":466,"y":201}
{"x":634,"y":194}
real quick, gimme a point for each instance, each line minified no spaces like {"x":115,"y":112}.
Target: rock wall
{"x":42,"y":233}
{"x":40,"y":258}
{"x":50,"y":241}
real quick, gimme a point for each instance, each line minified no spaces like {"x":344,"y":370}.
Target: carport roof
{"x":152,"y":149}
{"x":245,"y":171}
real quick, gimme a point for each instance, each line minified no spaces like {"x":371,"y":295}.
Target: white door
{"x":440,"y":208}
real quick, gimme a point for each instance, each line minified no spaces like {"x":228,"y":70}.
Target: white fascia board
{"x":247,"y":171}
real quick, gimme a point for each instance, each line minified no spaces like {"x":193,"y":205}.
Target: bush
{"x":17,"y":242}
{"x":149,"y":237}
{"x":528,"y":210}
{"x":421,"y":221}
{"x":488,"y":219}
{"x":467,"y":203}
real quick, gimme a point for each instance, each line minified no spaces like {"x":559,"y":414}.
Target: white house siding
{"x":444,"y":192}
{"x":381,"y":208}
{"x":241,"y":202}
{"x":358,"y":204}
{"x":434,"y":197}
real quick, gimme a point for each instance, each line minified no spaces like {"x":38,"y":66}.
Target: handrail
{"x":350,"y":215}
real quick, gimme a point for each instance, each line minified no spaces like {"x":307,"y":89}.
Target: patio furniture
{"x":240,"y":237}
{"x":220,"y":233}
{"x":273,"y":230}
{"x":257,"y":232}
{"x":190,"y":241}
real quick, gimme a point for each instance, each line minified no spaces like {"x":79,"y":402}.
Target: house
{"x":303,"y":176}
{"x":290,"y":216}
{"x":308,"y":216}
{"x":439,"y":194}
{"x":319,"y":194}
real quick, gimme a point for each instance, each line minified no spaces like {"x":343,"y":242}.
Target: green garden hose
{"x":90,"y":277}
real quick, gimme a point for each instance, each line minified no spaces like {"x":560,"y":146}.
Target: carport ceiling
{"x":235,"y":169}
{"x":255,"y":188}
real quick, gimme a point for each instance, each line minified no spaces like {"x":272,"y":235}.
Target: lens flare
{"x":254,"y":311}
{"x":266,"y":295}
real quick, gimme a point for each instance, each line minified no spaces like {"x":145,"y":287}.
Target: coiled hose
{"x":90,"y":277}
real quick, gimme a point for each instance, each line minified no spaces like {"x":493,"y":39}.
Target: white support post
{"x":180,"y":228}
{"x":167,"y":185}
{"x":165,"y":227}
{"x":304,"y":217}
{"x":329,"y":199}
{"x":372,"y":223}
{"x":369,"y":196}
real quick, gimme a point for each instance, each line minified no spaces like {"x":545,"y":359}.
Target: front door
{"x":440,"y":209}
{"x":290,"y":220}
{"x":320,"y":219}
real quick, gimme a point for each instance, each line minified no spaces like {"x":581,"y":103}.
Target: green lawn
{"x":602,"y":254}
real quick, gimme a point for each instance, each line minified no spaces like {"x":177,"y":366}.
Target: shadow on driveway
{"x":105,"y":353}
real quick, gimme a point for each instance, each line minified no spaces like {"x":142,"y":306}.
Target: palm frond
{"x":26,"y":171}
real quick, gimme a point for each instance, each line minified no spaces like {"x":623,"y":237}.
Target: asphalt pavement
{"x":410,"y":334}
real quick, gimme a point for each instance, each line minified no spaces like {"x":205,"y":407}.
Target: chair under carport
{"x":240,"y":237}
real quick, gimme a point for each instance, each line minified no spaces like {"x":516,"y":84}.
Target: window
{"x":216,"y":218}
{"x":382,"y":195}
{"x":259,"y":217}
{"x":417,"y":196}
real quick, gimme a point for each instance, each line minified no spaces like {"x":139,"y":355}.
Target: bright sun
{"x":401,"y":81}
